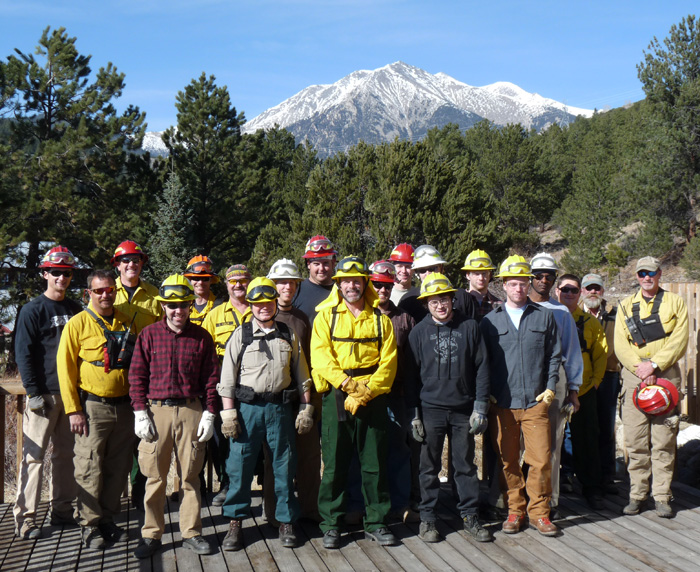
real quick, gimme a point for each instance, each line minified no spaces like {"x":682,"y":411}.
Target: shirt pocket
{"x":535,"y":338}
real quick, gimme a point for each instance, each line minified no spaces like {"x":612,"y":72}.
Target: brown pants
{"x":38,"y":431}
{"x":533,"y":425}
{"x":103,"y":460}
{"x":176,"y":429}
{"x":650,"y":441}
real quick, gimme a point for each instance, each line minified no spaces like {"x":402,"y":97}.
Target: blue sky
{"x":582,"y":53}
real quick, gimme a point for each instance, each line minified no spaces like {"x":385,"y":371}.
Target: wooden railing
{"x":10,"y":386}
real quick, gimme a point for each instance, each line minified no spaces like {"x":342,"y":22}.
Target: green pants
{"x":366,"y":434}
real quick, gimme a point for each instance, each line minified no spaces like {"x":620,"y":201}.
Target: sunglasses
{"x":379,"y":285}
{"x":66,"y":273}
{"x":262,"y":292}
{"x":569,"y":290}
{"x":174,"y":291}
{"x":545,"y":276}
{"x":177,"y":305}
{"x":593,"y":288}
{"x":105,"y":290}
{"x":242,"y":281}
{"x":198,"y":278}
{"x":127,"y":259}
{"x":645,"y":273}
{"x":428,"y":270}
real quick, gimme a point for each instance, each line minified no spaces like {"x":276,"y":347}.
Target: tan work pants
{"x":176,"y":429}
{"x":650,"y":442}
{"x":37,"y":432}
{"x":557,"y":424}
{"x":103,"y":460}
{"x":533,"y":425}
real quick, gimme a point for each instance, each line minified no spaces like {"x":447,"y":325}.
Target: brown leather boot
{"x":234,"y":538}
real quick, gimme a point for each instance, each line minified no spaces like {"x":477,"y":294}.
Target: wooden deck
{"x":590,"y":541}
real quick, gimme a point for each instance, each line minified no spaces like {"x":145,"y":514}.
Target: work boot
{"x":92,"y":538}
{"x":545,"y":527}
{"x":147,"y":547}
{"x":474,"y":528}
{"x":633,"y":507}
{"x":234,"y":538}
{"x":112,"y":532}
{"x":331,"y":539}
{"x":428,"y":533}
{"x":197,"y":544}
{"x":29,"y":531}
{"x":383,"y":536}
{"x":663,"y":509}
{"x":513,"y":524}
{"x":287,"y":536}
{"x":220,"y":497}
{"x":60,"y":519}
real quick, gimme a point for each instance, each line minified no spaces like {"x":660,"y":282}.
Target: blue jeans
{"x":273,"y":422}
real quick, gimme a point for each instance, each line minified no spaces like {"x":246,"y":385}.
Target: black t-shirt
{"x":37,"y":333}
{"x":309,"y":295}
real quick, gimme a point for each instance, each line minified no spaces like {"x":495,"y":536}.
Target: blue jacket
{"x":525,"y":361}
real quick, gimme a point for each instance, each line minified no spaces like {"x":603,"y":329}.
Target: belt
{"x":359,"y":371}
{"x":106,"y":400}
{"x":173,"y":402}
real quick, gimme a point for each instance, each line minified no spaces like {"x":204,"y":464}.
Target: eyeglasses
{"x":105,"y":290}
{"x":198,"y":278}
{"x":262,"y":292}
{"x":645,"y":273}
{"x":175,"y":291}
{"x":379,"y":285}
{"x":127,"y":259}
{"x":441,"y":301}
{"x":177,"y":305}
{"x":550,"y":276}
{"x":593,"y":288}
{"x":569,"y":290}
{"x":56,"y":273}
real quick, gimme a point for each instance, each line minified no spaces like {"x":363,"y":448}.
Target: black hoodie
{"x":447,"y":364}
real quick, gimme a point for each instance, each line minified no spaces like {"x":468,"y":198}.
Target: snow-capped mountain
{"x":153,"y":143}
{"x":397,"y":100}
{"x":403,"y":101}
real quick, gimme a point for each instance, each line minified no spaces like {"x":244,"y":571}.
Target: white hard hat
{"x":427,"y":256}
{"x":544,"y":261}
{"x":284,"y":269}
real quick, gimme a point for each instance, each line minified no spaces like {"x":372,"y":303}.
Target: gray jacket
{"x":525,"y":361}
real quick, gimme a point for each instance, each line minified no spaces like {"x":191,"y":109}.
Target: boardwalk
{"x":591,"y":541}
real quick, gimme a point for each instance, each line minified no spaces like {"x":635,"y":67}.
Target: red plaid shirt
{"x":167,"y":365}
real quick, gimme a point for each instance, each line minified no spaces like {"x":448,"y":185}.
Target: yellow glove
{"x":352,"y":404}
{"x":547,"y":396}
{"x":358,"y":390}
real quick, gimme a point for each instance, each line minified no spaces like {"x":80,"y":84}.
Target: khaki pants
{"x":557,"y":424}
{"x":176,"y":429}
{"x":650,"y":442}
{"x":533,"y":425}
{"x":38,"y":431}
{"x":103,"y":460}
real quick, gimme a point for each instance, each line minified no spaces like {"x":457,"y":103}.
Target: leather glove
{"x":568,"y":411}
{"x":38,"y":405}
{"x":206,"y":426}
{"x":417,"y":429}
{"x":547,"y":396}
{"x":230,"y":427}
{"x":359,"y":391}
{"x":478,"y":423}
{"x":305,"y":418}
{"x":352,"y":404}
{"x":143,"y":426}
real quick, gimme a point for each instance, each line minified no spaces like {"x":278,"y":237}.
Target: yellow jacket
{"x":595,"y":357}
{"x":664,"y":352}
{"x":198,"y":317}
{"x":82,"y":342}
{"x":329,"y":358}
{"x":144,"y":304}
{"x":221,"y":322}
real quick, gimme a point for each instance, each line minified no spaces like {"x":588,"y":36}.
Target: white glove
{"x":305,"y":418}
{"x":143,"y":426}
{"x":206,"y":426}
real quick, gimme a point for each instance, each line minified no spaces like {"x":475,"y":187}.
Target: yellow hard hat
{"x":478,"y":260}
{"x":261,"y":289}
{"x":434,"y":284}
{"x":515,"y":266}
{"x":175,"y":288}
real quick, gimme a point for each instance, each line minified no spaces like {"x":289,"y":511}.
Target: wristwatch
{"x":654,"y":365}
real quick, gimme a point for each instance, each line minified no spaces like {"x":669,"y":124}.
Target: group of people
{"x":356,"y":366}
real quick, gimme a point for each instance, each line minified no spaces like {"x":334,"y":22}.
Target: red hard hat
{"x":382,"y":271}
{"x":128,"y":247}
{"x":657,"y":399}
{"x":319,"y":247}
{"x":402,"y":253}
{"x":58,"y":257}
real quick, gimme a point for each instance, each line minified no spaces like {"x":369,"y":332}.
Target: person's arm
{"x":139,"y":373}
{"x":552,"y":352}
{"x":382,"y":379}
{"x":227,"y":384}
{"x":571,"y":353}
{"x":481,"y":367}
{"x":210,"y":372}
{"x":676,"y":343}
{"x":67,"y":360}
{"x":301,"y":370}
{"x":27,"y":336}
